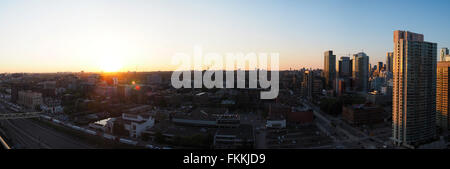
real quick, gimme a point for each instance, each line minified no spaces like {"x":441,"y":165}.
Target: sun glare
{"x":111,"y":65}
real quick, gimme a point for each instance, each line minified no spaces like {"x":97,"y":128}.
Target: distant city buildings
{"x":380,"y":67}
{"x":444,"y":54}
{"x":389,"y":57}
{"x":345,"y":67}
{"x":115,"y":81}
{"x":52,"y":106}
{"x":30,"y":99}
{"x":360,"y":71}
{"x":379,"y":98}
{"x":154,"y":79}
{"x":414,"y":92}
{"x":329,"y":69}
{"x":344,"y":80}
{"x":311,"y":84}
{"x":377,"y":82}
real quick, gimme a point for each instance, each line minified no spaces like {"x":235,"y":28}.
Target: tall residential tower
{"x":442,"y":96}
{"x":414,"y":91}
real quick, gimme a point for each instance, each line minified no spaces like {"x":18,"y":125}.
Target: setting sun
{"x":110,"y":64}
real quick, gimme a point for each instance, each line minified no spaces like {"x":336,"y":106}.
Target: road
{"x":353,"y":134}
{"x":29,"y":134}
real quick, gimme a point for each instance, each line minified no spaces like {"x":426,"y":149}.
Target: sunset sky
{"x":102,"y":35}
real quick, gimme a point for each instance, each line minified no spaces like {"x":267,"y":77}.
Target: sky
{"x":143,"y":35}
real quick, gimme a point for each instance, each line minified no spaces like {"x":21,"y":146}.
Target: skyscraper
{"x":380,"y":67}
{"x":414,"y":91}
{"x":345,"y":67}
{"x":442,"y":96}
{"x":329,"y":69}
{"x":444,"y":52}
{"x":389,"y":56}
{"x":360,"y":72}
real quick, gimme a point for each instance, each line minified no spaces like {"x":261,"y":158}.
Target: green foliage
{"x":334,"y":105}
{"x":159,"y":138}
{"x":331,"y":105}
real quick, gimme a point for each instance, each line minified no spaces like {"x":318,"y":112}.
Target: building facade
{"x":414,"y":91}
{"x":380,"y":67}
{"x":29,"y":99}
{"x":442,"y":97}
{"x":443,"y":54}
{"x":311,"y":85}
{"x":345,"y":67}
{"x":360,"y":72}
{"x":329,"y":68}
{"x":361,"y":114}
{"x":389,"y":57}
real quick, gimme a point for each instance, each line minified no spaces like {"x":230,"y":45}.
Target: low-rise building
{"x":29,"y":99}
{"x":362,"y":114}
{"x":207,"y":117}
{"x":137,"y":123}
{"x":130,"y":124}
{"x":52,"y":106}
{"x":300,"y":115}
{"x":378,"y":98}
{"x":229,"y":138}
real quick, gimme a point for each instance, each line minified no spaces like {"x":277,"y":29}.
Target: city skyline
{"x":95,"y":36}
{"x":225,"y":83}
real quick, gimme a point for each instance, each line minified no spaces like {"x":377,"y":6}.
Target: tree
{"x":159,"y":137}
{"x":37,"y":108}
{"x":331,"y":105}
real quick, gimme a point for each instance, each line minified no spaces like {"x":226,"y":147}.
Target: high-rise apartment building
{"x":360,"y":72}
{"x":414,"y":91}
{"x":329,"y":69}
{"x":442,"y":96}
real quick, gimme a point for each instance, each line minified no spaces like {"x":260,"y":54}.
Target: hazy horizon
{"x":50,"y":36}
